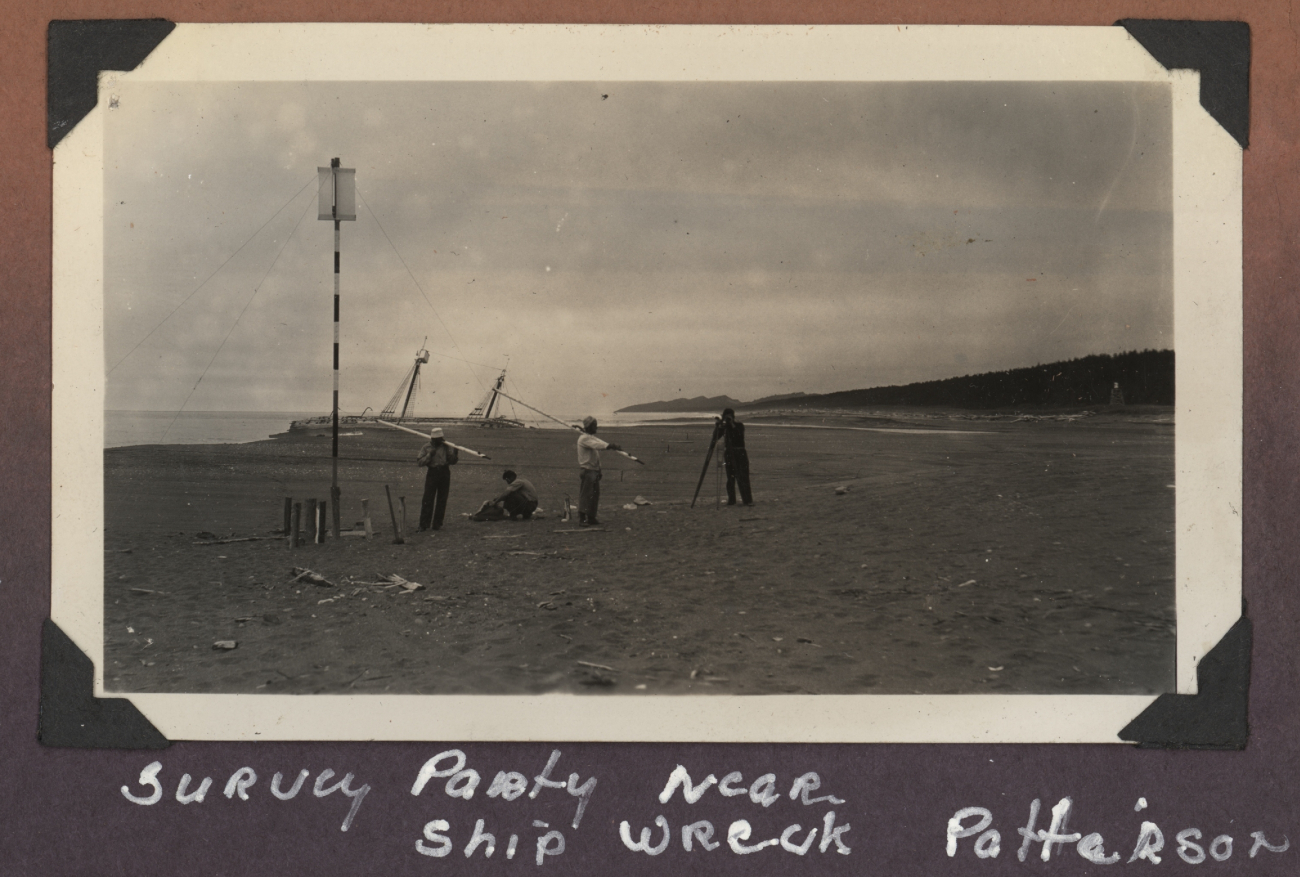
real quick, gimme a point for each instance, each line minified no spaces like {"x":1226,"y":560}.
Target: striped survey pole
{"x":338,"y":202}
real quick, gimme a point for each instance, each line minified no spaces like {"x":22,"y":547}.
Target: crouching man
{"x":518,"y":500}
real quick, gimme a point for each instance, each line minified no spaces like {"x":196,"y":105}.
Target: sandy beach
{"x":965,"y":556}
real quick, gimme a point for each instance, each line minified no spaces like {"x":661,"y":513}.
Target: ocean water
{"x":643,"y":419}
{"x":123,"y":428}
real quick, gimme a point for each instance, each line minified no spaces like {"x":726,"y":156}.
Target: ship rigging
{"x":401,"y":406}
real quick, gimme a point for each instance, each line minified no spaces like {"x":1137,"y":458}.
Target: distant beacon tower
{"x":1116,"y":395}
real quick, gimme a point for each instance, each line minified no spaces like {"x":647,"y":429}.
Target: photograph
{"x":633,"y":388}
{"x":650,"y":439}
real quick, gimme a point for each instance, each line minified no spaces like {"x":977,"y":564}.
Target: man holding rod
{"x":438,"y":456}
{"x":589,"y":448}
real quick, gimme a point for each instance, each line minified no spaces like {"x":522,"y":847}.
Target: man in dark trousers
{"x":734,"y":456}
{"x":589,"y":448}
{"x":438,"y":457}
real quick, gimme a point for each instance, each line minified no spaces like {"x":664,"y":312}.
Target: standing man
{"x":589,"y":448}
{"x":438,"y":457}
{"x":734,"y":456}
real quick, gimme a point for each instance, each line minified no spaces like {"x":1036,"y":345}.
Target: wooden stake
{"x":294,"y":525}
{"x":288,"y":514}
{"x":397,"y":534}
{"x":365,"y":519}
{"x":322,"y":523}
{"x":309,"y":520}
{"x":401,"y":503}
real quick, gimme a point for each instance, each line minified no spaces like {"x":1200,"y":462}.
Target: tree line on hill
{"x":702,"y":403}
{"x":1144,"y":377}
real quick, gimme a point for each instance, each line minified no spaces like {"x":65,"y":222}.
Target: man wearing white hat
{"x":438,"y":457}
{"x":589,"y":448}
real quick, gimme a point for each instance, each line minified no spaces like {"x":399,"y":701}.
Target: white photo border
{"x":1207,"y":243}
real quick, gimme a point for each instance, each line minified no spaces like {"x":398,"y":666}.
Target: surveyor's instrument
{"x":713,"y":442}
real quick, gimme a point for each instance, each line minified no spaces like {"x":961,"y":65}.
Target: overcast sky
{"x":623,"y":243}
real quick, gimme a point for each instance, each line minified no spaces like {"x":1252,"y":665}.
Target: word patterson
{"x":1192,"y":849}
{"x":240,"y":782}
{"x":763,"y":792}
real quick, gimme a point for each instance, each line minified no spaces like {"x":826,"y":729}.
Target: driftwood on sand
{"x":302,"y":574}
{"x":234,"y":539}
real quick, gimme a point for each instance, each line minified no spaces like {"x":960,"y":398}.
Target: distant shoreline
{"x":272,"y":426}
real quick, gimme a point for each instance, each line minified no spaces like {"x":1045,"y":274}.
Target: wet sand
{"x":966,"y":556}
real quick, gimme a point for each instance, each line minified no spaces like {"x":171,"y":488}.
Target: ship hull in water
{"x":481,"y":417}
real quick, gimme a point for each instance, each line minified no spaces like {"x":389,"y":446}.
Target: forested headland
{"x":1144,"y":377}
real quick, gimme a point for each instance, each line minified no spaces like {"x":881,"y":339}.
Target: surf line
{"x":903,"y":431}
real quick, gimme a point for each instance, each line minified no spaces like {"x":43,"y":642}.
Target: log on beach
{"x":229,"y":541}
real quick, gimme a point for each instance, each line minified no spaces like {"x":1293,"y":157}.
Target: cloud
{"x":745,"y":238}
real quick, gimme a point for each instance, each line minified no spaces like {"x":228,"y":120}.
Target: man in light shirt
{"x":518,"y":500}
{"x":589,"y":448}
